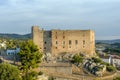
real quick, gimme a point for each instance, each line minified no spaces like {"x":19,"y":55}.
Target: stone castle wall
{"x":59,"y":41}
{"x":37,"y":36}
{"x":63,"y":68}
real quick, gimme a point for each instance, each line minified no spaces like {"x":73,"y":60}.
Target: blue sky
{"x":102,"y":16}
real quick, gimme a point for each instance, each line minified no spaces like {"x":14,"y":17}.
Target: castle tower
{"x":37,"y":36}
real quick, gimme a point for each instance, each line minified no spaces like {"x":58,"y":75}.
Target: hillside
{"x":109,"y":41}
{"x":15,"y":36}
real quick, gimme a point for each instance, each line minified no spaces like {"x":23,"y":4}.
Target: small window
{"x":55,"y":37}
{"x":83,"y":42}
{"x":56,"y":42}
{"x":44,"y":47}
{"x":69,"y":46}
{"x":63,"y":37}
{"x":70,"y":42}
{"x":8,"y":53}
{"x":83,"y":46}
{"x":76,"y":42}
{"x":63,"y":42}
{"x":45,"y":42}
{"x":55,"y":47}
{"x":63,"y":46}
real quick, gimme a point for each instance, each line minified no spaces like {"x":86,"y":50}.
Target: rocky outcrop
{"x":42,"y":77}
{"x":94,"y":68}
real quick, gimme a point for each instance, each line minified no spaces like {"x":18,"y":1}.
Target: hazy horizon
{"x":102,"y":16}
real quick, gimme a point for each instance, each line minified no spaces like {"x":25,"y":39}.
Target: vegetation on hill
{"x":30,"y":58}
{"x":77,"y":59}
{"x":9,"y":72}
{"x":96,"y":60}
{"x":110,"y":68}
{"x":14,"y":36}
{"x":108,"y":41}
{"x":113,"y":48}
{"x":116,"y":78}
{"x":109,"y":48}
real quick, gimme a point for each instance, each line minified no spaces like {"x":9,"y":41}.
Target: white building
{"x":12,"y":51}
{"x":116,"y":60}
{"x":3,"y":45}
{"x":112,"y":59}
{"x":107,"y":59}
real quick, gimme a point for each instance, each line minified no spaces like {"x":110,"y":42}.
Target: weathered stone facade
{"x":63,"y":68}
{"x":59,"y":41}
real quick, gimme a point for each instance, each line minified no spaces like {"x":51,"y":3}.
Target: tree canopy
{"x":77,"y":58}
{"x":117,"y":78}
{"x":30,"y":57}
{"x":9,"y":72}
{"x":96,"y":60}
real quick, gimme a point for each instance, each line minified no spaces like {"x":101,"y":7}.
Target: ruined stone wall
{"x":63,"y":68}
{"x":47,"y":41}
{"x":37,"y":36}
{"x":59,"y":41}
{"x":75,"y":41}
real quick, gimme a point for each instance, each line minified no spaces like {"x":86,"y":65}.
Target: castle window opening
{"x":63,"y":42}
{"x":63,"y":37}
{"x":56,"y":42}
{"x":83,"y":42}
{"x":56,"y":47}
{"x":76,"y":42}
{"x":83,"y":46}
{"x":45,"y":42}
{"x":70,"y":42}
{"x":56,"y":37}
{"x":44,"y":47}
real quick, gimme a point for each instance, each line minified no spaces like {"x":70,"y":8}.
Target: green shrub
{"x":32,"y":76}
{"x":77,"y":58}
{"x":40,"y":73}
{"x":110,"y":68}
{"x":51,"y":78}
{"x":96,"y":60}
{"x":116,"y":78}
{"x":9,"y":72}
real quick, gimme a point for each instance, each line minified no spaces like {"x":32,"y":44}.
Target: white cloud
{"x":73,"y":14}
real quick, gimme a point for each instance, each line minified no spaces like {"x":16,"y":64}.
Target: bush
{"x":32,"y":76}
{"x":9,"y":72}
{"x":110,"y":68}
{"x":77,"y":58}
{"x":40,"y":73}
{"x":105,"y":63}
{"x":117,"y":78}
{"x":51,"y":78}
{"x":96,"y":60}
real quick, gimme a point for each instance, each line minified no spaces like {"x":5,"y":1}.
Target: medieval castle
{"x":59,"y":41}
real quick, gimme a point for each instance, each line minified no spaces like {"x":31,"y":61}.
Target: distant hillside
{"x":15,"y":36}
{"x":109,"y":41}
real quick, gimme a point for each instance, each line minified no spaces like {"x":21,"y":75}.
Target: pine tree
{"x":30,"y":57}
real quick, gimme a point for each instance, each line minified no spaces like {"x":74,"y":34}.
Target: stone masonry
{"x":60,"y":41}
